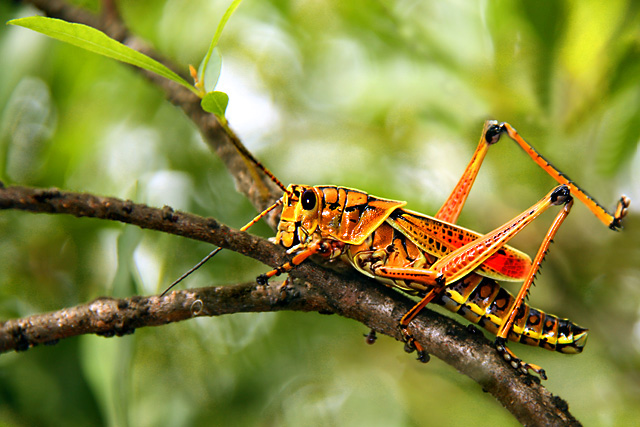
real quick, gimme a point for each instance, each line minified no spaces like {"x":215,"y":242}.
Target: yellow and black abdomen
{"x":483,"y":301}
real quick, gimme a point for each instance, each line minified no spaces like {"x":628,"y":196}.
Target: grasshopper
{"x":434,"y":258}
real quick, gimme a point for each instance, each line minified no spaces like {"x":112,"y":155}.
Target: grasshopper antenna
{"x":243,"y":151}
{"x":247,"y":155}
{"x":216,"y":250}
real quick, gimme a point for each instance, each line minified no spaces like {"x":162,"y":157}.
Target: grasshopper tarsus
{"x":621,"y":211}
{"x":408,"y":347}
{"x":516,"y":363}
{"x":411,"y":345}
{"x":423,"y":356}
{"x":371,"y":337}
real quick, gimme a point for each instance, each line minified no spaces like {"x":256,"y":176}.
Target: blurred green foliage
{"x":385,"y":96}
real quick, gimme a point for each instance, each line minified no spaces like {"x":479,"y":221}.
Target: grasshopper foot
{"x":411,"y":345}
{"x":371,"y":337}
{"x":621,"y":211}
{"x":423,"y":356}
{"x":516,"y":363}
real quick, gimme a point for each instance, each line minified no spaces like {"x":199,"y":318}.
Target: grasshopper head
{"x":300,"y":213}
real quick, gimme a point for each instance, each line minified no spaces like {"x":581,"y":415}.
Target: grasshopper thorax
{"x":330,"y":212}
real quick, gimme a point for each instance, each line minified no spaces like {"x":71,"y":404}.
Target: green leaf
{"x":215,"y":102}
{"x":212,"y":69}
{"x":96,"y":41}
{"x":214,"y":42}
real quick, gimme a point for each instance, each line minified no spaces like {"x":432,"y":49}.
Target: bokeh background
{"x":385,"y":96}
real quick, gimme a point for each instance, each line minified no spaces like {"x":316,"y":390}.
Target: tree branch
{"x":350,"y":296}
{"x":112,"y":316}
{"x":166,"y":219}
{"x":325,"y":291}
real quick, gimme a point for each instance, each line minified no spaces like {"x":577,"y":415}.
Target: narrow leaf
{"x":212,"y":68}
{"x":214,"y":42}
{"x":96,"y":41}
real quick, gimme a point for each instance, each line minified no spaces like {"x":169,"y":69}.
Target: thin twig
{"x":117,"y":317}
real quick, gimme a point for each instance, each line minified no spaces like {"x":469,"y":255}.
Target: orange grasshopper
{"x":435,"y":259}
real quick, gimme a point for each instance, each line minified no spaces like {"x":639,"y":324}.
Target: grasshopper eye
{"x":308,"y":200}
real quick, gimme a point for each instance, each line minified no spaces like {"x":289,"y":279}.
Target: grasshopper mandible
{"x":434,"y":258}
